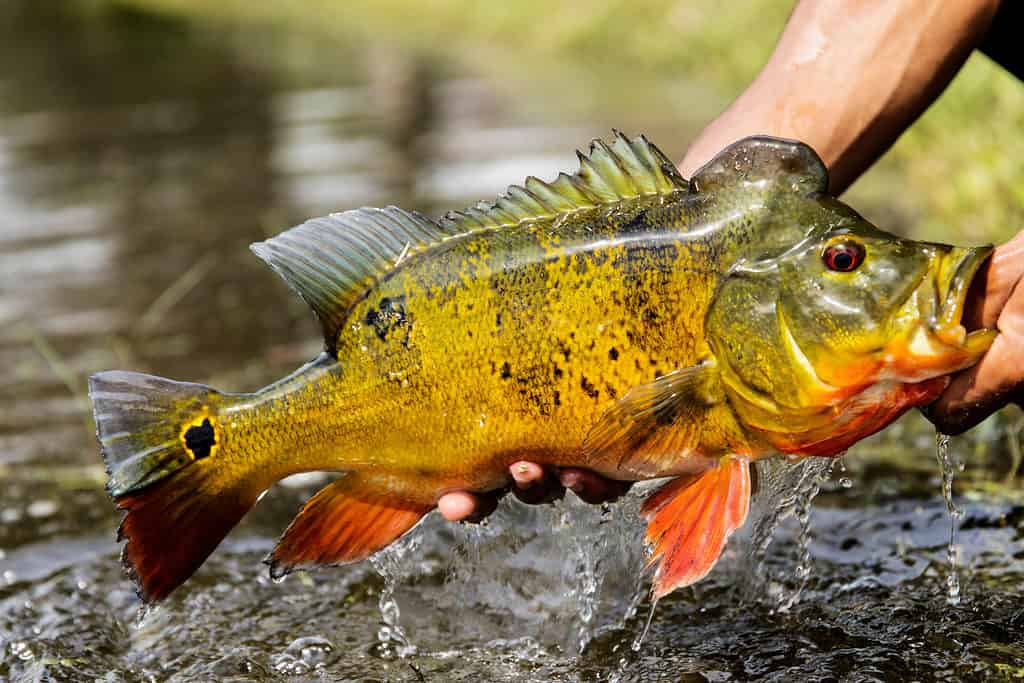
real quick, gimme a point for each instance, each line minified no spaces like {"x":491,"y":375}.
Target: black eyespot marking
{"x":506,"y":370}
{"x":613,"y":353}
{"x":201,"y":440}
{"x":843,"y":257}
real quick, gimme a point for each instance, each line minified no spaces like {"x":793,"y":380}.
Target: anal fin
{"x":345,"y":521}
{"x":690,"y":519}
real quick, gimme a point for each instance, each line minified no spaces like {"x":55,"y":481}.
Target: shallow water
{"x":139,"y":156}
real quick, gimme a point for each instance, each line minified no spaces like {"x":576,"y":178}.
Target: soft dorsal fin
{"x":332,"y":261}
{"x":626,"y":169}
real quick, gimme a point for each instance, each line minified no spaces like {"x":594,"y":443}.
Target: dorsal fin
{"x":332,"y":261}
{"x":626,"y":169}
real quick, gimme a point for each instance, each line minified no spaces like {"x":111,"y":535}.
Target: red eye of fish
{"x":843,"y":257}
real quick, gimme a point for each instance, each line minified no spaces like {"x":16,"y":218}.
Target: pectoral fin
{"x":689,"y":520}
{"x":346,"y":521}
{"x":656,"y":424}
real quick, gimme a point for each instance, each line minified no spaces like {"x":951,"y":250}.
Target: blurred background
{"x":145,"y":143}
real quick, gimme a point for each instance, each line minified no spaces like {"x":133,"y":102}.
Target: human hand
{"x":532,"y":484}
{"x":994,"y":300}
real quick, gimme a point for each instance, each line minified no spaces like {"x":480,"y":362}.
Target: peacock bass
{"x":621,"y":319}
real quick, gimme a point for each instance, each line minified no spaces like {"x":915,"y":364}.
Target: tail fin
{"x":161,"y":442}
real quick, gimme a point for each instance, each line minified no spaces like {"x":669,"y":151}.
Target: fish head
{"x":858,"y":306}
{"x":830,"y":338}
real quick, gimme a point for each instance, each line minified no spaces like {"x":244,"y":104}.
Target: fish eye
{"x":843,"y":257}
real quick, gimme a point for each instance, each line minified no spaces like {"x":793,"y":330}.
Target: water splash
{"x":807,"y":489}
{"x":394,"y":563}
{"x":949,"y":464}
{"x":303,"y":656}
{"x":591,"y":576}
{"x":785,"y":489}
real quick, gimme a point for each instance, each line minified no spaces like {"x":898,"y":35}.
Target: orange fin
{"x":345,"y":521}
{"x":689,"y":520}
{"x":653,"y":424}
{"x":172,"y":526}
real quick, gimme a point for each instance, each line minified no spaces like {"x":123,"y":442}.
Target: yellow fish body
{"x":621,"y":319}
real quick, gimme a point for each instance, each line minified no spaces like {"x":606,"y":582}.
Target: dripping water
{"x":785,"y":489}
{"x":807,"y":489}
{"x":948,"y":464}
{"x":639,"y":640}
{"x":392,"y":564}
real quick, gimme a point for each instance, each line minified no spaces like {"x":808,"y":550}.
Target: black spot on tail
{"x":201,"y":440}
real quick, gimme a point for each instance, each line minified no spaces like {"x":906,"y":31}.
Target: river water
{"x":139,"y":156}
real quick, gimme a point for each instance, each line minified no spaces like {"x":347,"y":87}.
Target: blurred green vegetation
{"x":956,"y":175}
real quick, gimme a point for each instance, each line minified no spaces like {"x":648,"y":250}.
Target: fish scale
{"x":621,"y":319}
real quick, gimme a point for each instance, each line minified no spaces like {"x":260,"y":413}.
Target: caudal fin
{"x":162,"y":445}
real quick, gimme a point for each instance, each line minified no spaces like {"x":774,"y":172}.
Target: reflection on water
{"x":139,"y":156}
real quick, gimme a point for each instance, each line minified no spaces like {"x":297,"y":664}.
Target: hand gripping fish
{"x":620,"y":319}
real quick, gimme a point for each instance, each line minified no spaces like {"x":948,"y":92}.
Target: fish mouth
{"x":953,"y":279}
{"x":939,"y":344}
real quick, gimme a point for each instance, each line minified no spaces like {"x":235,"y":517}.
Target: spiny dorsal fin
{"x":331,"y":261}
{"x":626,"y":169}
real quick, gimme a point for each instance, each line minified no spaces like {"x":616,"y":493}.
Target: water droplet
{"x":304,"y":655}
{"x":21,"y":650}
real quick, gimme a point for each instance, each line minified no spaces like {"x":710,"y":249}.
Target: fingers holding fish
{"x":533,"y":485}
{"x":590,"y":487}
{"x":463,"y":506}
{"x":995,"y":381}
{"x":995,"y":300}
{"x":994,"y":284}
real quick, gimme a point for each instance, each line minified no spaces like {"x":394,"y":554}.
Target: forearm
{"x":848,"y":76}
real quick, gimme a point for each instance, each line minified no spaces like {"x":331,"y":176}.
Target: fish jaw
{"x":937,"y":343}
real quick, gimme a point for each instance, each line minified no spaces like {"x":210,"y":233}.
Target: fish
{"x":620,"y":318}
